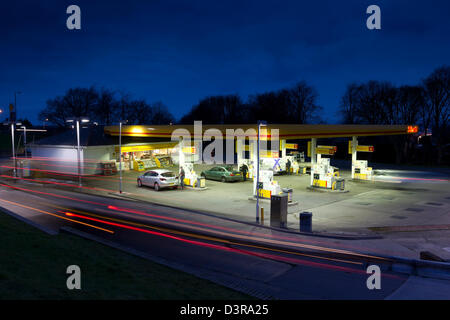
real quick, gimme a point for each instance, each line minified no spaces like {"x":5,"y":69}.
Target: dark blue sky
{"x":181,"y":51}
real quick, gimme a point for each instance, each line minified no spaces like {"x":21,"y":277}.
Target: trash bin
{"x":200,"y":182}
{"x":306,"y":221}
{"x":289,"y":192}
{"x":340,"y":184}
{"x":278,"y":210}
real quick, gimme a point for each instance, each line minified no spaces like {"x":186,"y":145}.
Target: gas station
{"x":282,"y":157}
{"x":314,"y":166}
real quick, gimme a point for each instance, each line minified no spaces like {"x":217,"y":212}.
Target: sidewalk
{"x":418,"y":288}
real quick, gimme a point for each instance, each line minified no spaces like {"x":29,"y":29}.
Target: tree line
{"x":380,"y":102}
{"x":373,"y":102}
{"x":296,"y":104}
{"x":105,"y":107}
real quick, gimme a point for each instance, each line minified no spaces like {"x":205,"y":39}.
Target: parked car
{"x":222,"y":173}
{"x":158,"y":179}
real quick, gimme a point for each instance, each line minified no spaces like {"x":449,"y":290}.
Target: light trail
{"x":193,"y":235}
{"x":63,"y":173}
{"x":51,"y":194}
{"x":55,"y":215}
{"x":265,"y":236}
{"x":59,"y":183}
{"x":271,"y":239}
{"x":213,"y":246}
{"x":53,"y":159}
{"x":416,"y":179}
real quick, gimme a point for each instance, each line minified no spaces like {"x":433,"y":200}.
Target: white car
{"x":158,"y":179}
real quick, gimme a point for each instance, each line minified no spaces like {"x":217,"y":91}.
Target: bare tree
{"x":161,"y":114}
{"x":350,"y":102}
{"x":106,"y":106}
{"x":103,"y":106}
{"x":436,"y":88}
{"x":410,"y":101}
{"x":302,"y":103}
{"x":77,"y":102}
{"x":216,"y":109}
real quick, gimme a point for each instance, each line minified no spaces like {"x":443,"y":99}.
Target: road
{"x":268,"y":263}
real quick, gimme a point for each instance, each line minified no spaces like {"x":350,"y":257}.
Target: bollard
{"x":306,"y":221}
{"x":262,"y":215}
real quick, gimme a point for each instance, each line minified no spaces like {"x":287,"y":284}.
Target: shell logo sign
{"x":413,"y":129}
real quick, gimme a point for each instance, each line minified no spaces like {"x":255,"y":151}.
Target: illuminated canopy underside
{"x":286,"y":131}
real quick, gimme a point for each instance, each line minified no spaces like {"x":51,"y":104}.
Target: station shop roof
{"x":286,"y":131}
{"x":91,"y":136}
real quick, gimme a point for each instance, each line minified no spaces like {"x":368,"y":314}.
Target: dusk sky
{"x":178,"y":52}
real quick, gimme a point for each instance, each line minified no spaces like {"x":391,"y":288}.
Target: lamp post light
{"x":260,"y":124}
{"x":43,"y":123}
{"x":77,"y":123}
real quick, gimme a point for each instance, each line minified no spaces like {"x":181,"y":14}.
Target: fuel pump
{"x":323,"y":175}
{"x":360,"y":168}
{"x":267,"y":186}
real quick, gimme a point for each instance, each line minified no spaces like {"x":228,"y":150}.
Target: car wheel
{"x":157,"y":186}
{"x":139,"y":183}
{"x":223,"y":179}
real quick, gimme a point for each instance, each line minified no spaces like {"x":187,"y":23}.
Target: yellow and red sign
{"x":326,"y":150}
{"x":189,"y":150}
{"x":365,"y":149}
{"x":292,"y":146}
{"x":270,"y":154}
{"x":360,"y":148}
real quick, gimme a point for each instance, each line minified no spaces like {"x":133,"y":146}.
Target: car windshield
{"x":168,"y":174}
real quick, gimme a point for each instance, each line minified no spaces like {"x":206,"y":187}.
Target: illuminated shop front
{"x":144,"y":156}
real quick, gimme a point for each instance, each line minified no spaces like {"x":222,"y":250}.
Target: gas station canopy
{"x":286,"y":131}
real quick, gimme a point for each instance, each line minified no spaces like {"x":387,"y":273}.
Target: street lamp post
{"x":78,"y":153}
{"x":25,"y":140}
{"x":77,"y":124}
{"x":260,"y":123}
{"x":120,"y":154}
{"x":13,"y":151}
{"x":120,"y":157}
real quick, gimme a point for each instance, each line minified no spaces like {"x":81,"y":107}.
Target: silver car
{"x":158,"y":179}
